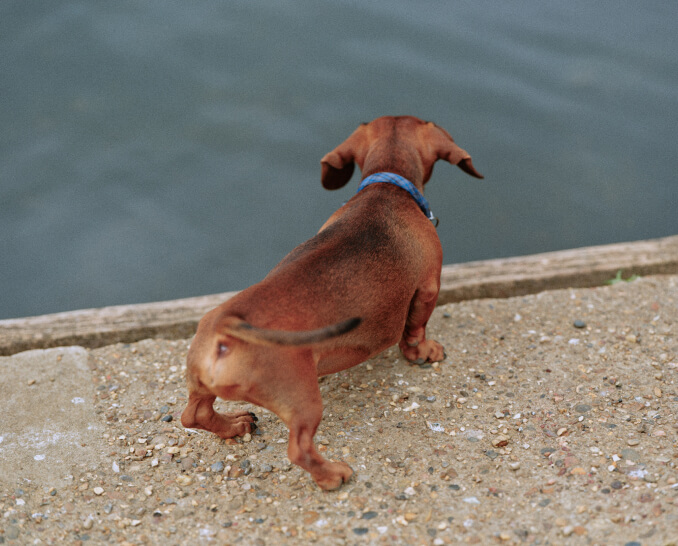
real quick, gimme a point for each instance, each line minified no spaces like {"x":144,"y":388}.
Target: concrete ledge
{"x":500,"y":278}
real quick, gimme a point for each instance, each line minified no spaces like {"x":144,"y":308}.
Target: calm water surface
{"x":159,"y":150}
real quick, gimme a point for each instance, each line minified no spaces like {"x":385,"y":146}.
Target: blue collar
{"x":397,"y":180}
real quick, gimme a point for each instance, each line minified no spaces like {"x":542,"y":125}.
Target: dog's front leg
{"x":414,"y":345}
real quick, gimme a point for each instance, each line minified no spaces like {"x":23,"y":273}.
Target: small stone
{"x":182,"y":479}
{"x":579,"y":324}
{"x":633,"y":442}
{"x":561,"y":431}
{"x":500,"y":441}
{"x":167,"y":418}
{"x":217,"y":467}
{"x":582,"y":408}
{"x":247,"y":438}
{"x":499,"y":415}
{"x":369,"y":515}
{"x":514,"y":466}
{"x":630,"y":454}
{"x":98,"y":490}
{"x":360,"y":530}
{"x":657,"y":392}
{"x":88,"y":523}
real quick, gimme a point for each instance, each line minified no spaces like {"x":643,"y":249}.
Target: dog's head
{"x":402,"y":144}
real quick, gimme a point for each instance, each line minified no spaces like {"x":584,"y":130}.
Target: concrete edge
{"x":498,"y":278}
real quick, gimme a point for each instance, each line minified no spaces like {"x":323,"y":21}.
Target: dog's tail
{"x":240,"y":329}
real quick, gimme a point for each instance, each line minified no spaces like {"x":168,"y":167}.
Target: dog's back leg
{"x":199,"y":413}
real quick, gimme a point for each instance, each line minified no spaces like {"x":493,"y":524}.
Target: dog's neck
{"x":401,"y":182}
{"x":402,"y":159}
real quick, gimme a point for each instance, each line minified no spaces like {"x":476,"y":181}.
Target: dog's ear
{"x":448,"y":150}
{"x":336,"y":172}
{"x":338,"y":165}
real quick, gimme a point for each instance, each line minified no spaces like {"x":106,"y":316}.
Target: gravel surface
{"x":553,"y":420}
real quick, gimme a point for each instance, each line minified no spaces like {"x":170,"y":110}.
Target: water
{"x":159,"y":150}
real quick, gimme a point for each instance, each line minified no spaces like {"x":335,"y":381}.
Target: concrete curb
{"x":499,"y":278}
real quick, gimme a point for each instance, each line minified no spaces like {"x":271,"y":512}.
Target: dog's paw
{"x":425,"y":351}
{"x":233,"y":424}
{"x":333,"y":475}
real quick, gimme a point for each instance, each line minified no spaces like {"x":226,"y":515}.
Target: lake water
{"x":160,"y":150}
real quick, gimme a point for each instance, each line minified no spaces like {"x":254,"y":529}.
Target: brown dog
{"x":369,"y":279}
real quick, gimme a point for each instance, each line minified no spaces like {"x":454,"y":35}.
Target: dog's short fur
{"x":369,"y":279}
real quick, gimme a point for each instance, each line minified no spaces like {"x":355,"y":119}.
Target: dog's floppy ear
{"x":338,"y":165}
{"x":448,"y":150}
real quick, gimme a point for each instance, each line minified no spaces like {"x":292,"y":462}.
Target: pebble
{"x":500,"y":441}
{"x":98,"y":490}
{"x":633,"y":442}
{"x":182,"y":479}
{"x":217,"y":467}
{"x":579,"y":324}
{"x":630,"y":454}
